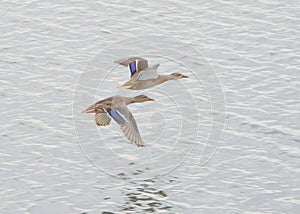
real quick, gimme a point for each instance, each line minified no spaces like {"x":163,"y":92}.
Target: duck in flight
{"x":115,"y":107}
{"x":142,"y":76}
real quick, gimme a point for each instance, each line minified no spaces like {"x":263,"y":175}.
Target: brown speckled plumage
{"x":145,"y":76}
{"x":118,"y":104}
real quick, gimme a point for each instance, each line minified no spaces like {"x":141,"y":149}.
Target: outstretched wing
{"x":121,"y":114}
{"x":101,"y":118}
{"x":148,"y":73}
{"x":134,"y":64}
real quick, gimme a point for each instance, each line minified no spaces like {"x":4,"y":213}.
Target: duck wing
{"x":134,"y":64}
{"x":121,"y":114}
{"x":101,"y":118}
{"x":148,"y":73}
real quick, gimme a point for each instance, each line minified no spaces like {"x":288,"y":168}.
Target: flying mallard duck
{"x":143,"y":76}
{"x":115,"y":107}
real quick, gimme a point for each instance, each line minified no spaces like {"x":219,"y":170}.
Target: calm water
{"x":57,"y":58}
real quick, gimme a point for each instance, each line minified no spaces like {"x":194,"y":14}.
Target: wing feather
{"x":134,"y":63}
{"x":102,"y":119}
{"x":125,"y":119}
{"x":149,"y":73}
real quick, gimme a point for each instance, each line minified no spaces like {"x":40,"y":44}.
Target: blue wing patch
{"x":132,"y":67}
{"x":116,"y":116}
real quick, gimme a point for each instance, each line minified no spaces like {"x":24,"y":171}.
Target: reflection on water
{"x":143,"y":196}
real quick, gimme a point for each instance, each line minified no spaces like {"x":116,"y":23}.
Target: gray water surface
{"x":55,"y":160}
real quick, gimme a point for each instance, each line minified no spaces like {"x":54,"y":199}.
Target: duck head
{"x":177,"y":75}
{"x":142,"y":98}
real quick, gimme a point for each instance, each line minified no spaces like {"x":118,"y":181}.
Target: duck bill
{"x":151,"y":99}
{"x":183,"y":76}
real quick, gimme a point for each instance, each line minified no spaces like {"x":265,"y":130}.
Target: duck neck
{"x":130,"y":100}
